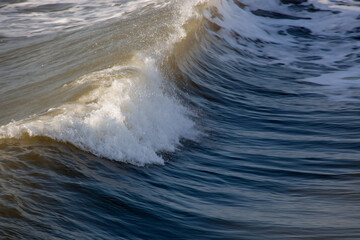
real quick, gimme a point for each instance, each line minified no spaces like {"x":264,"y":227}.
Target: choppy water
{"x":159,"y":119}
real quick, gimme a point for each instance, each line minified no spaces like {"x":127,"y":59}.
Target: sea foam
{"x":128,"y":117}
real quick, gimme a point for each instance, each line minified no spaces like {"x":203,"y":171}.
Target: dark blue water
{"x":277,"y":157}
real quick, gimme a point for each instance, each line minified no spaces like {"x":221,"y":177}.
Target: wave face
{"x":221,"y":119}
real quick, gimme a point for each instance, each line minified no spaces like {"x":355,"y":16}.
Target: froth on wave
{"x":127,"y":117}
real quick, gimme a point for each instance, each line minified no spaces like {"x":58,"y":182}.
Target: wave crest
{"x":128,"y":117}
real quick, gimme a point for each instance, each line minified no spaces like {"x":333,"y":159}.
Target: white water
{"x":330,"y":46}
{"x":36,"y":17}
{"x":128,"y":117}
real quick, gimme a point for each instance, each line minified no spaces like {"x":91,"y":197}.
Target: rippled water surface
{"x":159,"y":119}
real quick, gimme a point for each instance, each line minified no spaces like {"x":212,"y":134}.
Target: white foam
{"x":127,"y":118}
{"x":22,"y":19}
{"x":239,"y":20}
{"x":328,"y":47}
{"x":323,"y":23}
{"x":338,"y":86}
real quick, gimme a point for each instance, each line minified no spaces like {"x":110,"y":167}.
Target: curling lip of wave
{"x":126,"y":119}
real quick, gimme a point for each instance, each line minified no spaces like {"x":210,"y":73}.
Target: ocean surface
{"x":180,"y":119}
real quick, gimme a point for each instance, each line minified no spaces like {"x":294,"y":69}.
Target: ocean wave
{"x":127,"y":113}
